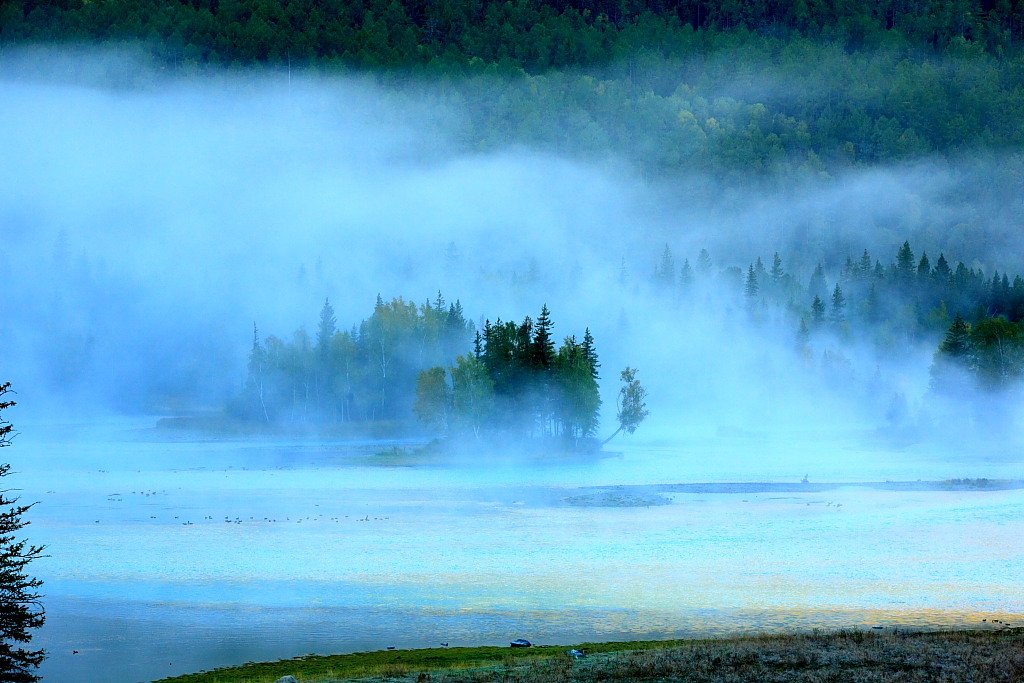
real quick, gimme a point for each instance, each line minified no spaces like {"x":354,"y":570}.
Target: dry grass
{"x":992,"y":656}
{"x":849,"y":656}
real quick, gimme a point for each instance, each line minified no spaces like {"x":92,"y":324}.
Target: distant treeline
{"x":729,"y":88}
{"x":534,"y":35}
{"x":897,"y":305}
{"x":367,"y":373}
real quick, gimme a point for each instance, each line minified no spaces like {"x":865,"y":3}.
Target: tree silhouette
{"x":20,"y":608}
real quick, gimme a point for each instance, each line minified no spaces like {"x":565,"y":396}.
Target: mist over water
{"x":147,"y":227}
{"x":147,"y":222}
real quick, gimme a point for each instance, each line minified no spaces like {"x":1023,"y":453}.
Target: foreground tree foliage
{"x":20,"y":606}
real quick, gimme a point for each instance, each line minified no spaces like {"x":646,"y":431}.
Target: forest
{"x":510,"y":380}
{"x":783,"y":92}
{"x":718,"y":102}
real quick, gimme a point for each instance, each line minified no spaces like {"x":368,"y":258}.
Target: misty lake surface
{"x":170,"y":553}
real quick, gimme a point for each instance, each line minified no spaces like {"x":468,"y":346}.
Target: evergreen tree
{"x":20,"y":606}
{"x":686,"y":274}
{"x":590,"y":353}
{"x":326,"y":328}
{"x":777,"y":273}
{"x":750,"y":288}
{"x":905,"y":264}
{"x":924,"y":269}
{"x":865,"y":265}
{"x":665,"y":274}
{"x":838,"y":312}
{"x":543,"y":346}
{"x":942,"y":273}
{"x":704,"y":263}
{"x":817,"y":310}
{"x":817,"y":284}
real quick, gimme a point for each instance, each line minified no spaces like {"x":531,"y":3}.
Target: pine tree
{"x":20,"y":608}
{"x":817,"y":310}
{"x":543,"y":345}
{"x":665,"y":274}
{"x":704,"y":262}
{"x":957,"y":343}
{"x":905,"y":263}
{"x":750,"y":289}
{"x":865,"y":265}
{"x":924,"y":268}
{"x":326,"y":328}
{"x":777,"y":273}
{"x":686,"y":274}
{"x":838,"y":312}
{"x":942,"y":273}
{"x":590,"y":353}
{"x":817,"y":284}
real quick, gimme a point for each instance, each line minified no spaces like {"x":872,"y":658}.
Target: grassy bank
{"x":981,"y":656}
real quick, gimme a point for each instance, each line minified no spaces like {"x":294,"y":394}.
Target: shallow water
{"x":169,"y":555}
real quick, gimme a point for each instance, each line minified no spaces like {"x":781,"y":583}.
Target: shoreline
{"x":819,"y":651}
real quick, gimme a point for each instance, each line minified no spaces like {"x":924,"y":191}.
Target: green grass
{"x":983,"y":656}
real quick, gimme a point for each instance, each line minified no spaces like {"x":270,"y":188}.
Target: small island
{"x":427,"y":370}
{"x":516,"y":388}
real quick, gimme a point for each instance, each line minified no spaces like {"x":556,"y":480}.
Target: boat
{"x":521,"y":642}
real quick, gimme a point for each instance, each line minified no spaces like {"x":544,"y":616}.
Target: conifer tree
{"x":704,"y":262}
{"x":20,"y":606}
{"x":750,"y":288}
{"x":838,"y":312}
{"x":924,"y":268}
{"x":942,"y":273}
{"x":777,"y":273}
{"x":666,"y":271}
{"x":686,"y":274}
{"x":326,"y":328}
{"x":865,"y":265}
{"x":543,"y":346}
{"x":817,"y":284}
{"x":905,"y":263}
{"x":817,"y":310}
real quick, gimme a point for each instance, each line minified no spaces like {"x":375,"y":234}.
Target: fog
{"x":146,"y":227}
{"x":147,"y":221}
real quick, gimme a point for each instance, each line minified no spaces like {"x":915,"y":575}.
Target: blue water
{"x":169,"y":555}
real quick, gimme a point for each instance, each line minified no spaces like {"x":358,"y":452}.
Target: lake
{"x":170,"y":553}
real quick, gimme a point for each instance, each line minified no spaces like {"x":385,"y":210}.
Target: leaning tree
{"x":20,"y":606}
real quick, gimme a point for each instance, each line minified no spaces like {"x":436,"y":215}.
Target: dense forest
{"x":781,"y":91}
